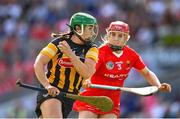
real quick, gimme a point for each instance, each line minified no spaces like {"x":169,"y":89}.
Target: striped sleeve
{"x":50,"y":50}
{"x":93,"y":54}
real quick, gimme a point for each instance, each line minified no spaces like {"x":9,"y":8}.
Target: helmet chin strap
{"x":115,"y":47}
{"x":85,"y":42}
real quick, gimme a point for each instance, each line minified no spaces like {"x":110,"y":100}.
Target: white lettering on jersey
{"x":119,"y":65}
{"x":119,"y":76}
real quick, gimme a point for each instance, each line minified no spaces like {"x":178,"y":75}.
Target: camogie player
{"x":116,"y":60}
{"x":70,"y":58}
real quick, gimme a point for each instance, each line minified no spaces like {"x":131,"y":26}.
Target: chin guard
{"x":115,"y":48}
{"x":72,"y":30}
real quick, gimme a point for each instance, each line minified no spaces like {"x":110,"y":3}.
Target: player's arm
{"x":39,"y":66}
{"x":153,"y":80}
{"x":86,"y":69}
{"x":150,"y":77}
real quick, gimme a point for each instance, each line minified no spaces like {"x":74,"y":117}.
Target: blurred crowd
{"x":133,"y":106}
{"x":26,"y":26}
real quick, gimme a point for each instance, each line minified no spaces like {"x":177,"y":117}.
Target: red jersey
{"x":111,"y":70}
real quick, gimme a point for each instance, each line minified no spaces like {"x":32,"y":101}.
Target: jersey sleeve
{"x":50,"y":50}
{"x":139,"y":63}
{"x":93,"y":54}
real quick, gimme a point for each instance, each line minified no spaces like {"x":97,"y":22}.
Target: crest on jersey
{"x":128,"y":63}
{"x":109,"y":65}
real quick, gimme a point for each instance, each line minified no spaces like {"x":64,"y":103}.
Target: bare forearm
{"x":85,"y":69}
{"x":81,"y":67}
{"x":40,"y":74}
{"x":152,"y":79}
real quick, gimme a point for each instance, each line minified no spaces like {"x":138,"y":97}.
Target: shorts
{"x":79,"y":105}
{"x":67,"y":103}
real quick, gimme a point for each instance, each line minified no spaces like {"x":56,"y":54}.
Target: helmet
{"x":82,"y":19}
{"x":118,"y":26}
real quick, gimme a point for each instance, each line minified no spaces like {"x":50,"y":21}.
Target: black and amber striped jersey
{"x":61,"y":72}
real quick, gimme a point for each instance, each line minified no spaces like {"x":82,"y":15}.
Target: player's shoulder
{"x":104,"y":50}
{"x":91,"y":45}
{"x":130,"y":50}
{"x":56,"y":41}
{"x":103,"y":47}
{"x":127,"y":48}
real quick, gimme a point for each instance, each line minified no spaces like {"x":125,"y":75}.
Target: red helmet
{"x":118,"y":26}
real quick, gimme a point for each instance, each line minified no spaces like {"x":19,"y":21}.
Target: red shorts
{"x":114,"y":95}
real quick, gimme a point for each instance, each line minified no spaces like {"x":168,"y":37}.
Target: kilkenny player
{"x":70,"y":59}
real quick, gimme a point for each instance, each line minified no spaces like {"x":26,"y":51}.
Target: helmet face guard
{"x":82,"y":20}
{"x":123,"y":36}
{"x":94,"y":32}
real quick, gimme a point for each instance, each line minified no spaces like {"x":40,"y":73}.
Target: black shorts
{"x":66,"y":103}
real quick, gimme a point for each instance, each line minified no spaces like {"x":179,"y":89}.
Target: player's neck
{"x":118,"y":53}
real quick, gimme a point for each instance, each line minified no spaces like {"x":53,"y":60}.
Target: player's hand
{"x":86,"y":83}
{"x":65,"y":48}
{"x":165,"y":87}
{"x":53,"y":91}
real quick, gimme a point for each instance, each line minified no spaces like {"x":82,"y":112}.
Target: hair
{"x":104,"y":39}
{"x":65,"y":35}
